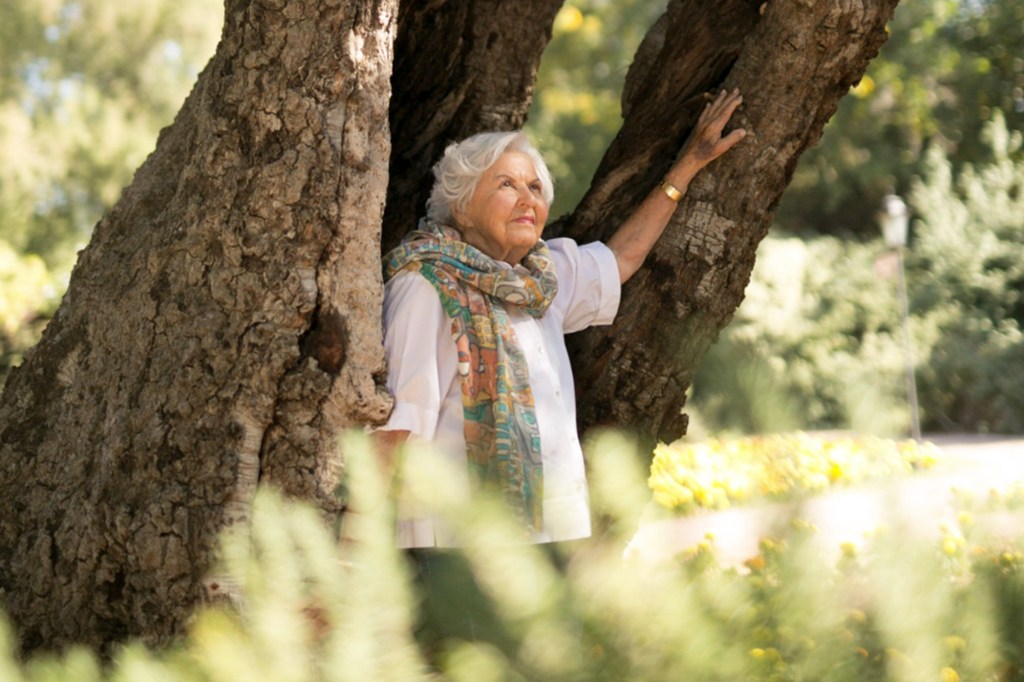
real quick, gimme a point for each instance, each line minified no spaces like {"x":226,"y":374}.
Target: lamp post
{"x":894,"y":219}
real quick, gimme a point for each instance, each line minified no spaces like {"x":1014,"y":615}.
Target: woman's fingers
{"x":723,"y":106}
{"x":730,"y":140}
{"x":706,"y":142}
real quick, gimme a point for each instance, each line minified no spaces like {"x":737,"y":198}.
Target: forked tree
{"x":223,"y":324}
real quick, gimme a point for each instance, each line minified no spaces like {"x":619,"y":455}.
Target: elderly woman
{"x":476,"y":307}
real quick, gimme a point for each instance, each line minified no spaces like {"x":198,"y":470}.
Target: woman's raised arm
{"x":636,"y":237}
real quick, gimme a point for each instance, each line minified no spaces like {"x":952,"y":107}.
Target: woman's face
{"x":506,"y":213}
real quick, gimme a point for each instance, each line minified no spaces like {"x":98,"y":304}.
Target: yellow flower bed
{"x":713,"y":474}
{"x":898,"y":608}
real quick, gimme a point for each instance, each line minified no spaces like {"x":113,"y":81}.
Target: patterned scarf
{"x":502,"y":439}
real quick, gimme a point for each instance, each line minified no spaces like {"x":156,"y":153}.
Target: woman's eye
{"x":506,"y":183}
{"x":535,"y":188}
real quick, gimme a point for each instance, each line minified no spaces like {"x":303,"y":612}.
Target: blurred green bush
{"x":816,"y":343}
{"x":309,"y":608}
{"x":967,"y":287}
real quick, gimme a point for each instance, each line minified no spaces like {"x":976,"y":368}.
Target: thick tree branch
{"x":792,"y":64}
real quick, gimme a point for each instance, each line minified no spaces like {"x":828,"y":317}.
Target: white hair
{"x":458,"y":172}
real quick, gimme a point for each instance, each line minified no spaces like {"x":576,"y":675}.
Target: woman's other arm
{"x":636,"y":237}
{"x":415,"y":327}
{"x":386,"y":443}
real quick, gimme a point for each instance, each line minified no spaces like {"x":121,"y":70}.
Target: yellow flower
{"x":665,"y":499}
{"x":949,"y":546}
{"x":757,"y":653}
{"x":716,"y":473}
{"x":568,"y":20}
{"x":835,"y":472}
{"x":803,"y":525}
{"x":955,"y":643}
{"x":857,"y":616}
{"x":949,"y":675}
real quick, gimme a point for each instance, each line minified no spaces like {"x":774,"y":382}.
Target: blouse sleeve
{"x":588,"y":284}
{"x":416,"y":330}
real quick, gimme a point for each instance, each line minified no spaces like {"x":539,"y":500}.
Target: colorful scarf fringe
{"x":502,"y":439}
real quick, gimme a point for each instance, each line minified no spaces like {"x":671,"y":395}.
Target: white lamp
{"x":894,"y":219}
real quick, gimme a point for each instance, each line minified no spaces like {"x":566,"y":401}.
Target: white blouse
{"x":423,"y":377}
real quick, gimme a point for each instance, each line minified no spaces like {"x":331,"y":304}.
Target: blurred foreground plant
{"x":310,"y":607}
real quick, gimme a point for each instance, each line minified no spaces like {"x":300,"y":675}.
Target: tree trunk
{"x":792,"y":60}
{"x":220,"y":327}
{"x":224,"y":322}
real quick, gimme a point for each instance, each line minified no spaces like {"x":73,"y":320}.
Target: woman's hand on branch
{"x":706,"y":142}
{"x":636,"y":237}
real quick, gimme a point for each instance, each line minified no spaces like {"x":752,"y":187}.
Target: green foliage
{"x":29,"y":293}
{"x":77,"y":117}
{"x":803,"y":608}
{"x":815,"y":344}
{"x":85,"y":85}
{"x":947,"y":68}
{"x":967,"y":287}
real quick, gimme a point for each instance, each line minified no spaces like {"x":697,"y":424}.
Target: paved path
{"x":918,"y":504}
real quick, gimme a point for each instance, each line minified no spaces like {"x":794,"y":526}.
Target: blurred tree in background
{"x":937,"y":118}
{"x":816,"y":344}
{"x":948,"y":66}
{"x":85,"y":86}
{"x":968,"y":293}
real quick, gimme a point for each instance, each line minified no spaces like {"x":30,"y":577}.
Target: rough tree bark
{"x":224,"y":321}
{"x":221,"y":325}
